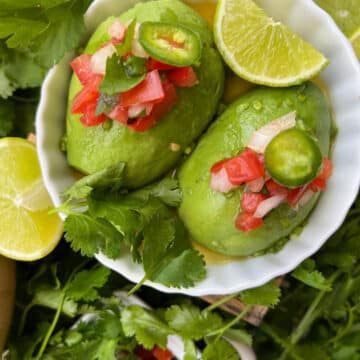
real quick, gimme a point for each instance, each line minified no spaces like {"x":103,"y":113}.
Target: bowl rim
{"x":276,"y":264}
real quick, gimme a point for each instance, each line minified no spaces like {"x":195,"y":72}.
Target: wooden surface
{"x":7,"y":296}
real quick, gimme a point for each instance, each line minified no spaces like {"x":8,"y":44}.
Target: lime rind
{"x":268,"y":66}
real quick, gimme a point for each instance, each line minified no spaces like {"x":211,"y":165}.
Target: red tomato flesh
{"x":244,"y":167}
{"x":159,"y":109}
{"x":82,"y":68}
{"x":87,"y":95}
{"x":161,"y":354}
{"x":119,"y":113}
{"x":319,"y":183}
{"x":149,"y":90}
{"x":250,"y":201}
{"x":295,"y":195}
{"x":246,"y":222}
{"x":218,"y":166}
{"x":183,"y":77}
{"x":89,"y":118}
{"x":152,"y":64}
{"x":276,"y":189}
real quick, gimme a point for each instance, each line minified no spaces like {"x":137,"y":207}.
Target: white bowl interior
{"x":342,"y":78}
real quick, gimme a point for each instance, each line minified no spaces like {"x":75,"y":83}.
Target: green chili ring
{"x":293,"y":158}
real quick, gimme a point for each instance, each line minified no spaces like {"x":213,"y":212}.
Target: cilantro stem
{"x":23,"y":317}
{"x":309,"y":317}
{"x":51,"y":328}
{"x":221,"y":301}
{"x":137,"y":286}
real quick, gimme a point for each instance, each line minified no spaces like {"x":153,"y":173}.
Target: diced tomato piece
{"x":161,"y":354}
{"x":119,"y":113}
{"x":149,"y":90}
{"x":319,"y":183}
{"x":276,"y":189}
{"x":250,"y":201}
{"x":183,"y":77}
{"x":82,"y":68}
{"x":144,"y":354}
{"x":87,"y":95}
{"x":159,"y":109}
{"x":218,"y":166}
{"x":152,"y":64}
{"x":295,"y":195}
{"x":244,"y":167}
{"x":247,"y":222}
{"x":89,"y":118}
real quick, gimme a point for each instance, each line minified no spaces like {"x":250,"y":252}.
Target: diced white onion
{"x":98,"y":60}
{"x":306,"y":197}
{"x":261,"y":138}
{"x":268,"y":204}
{"x":135,"y":110}
{"x":117,"y":30}
{"x":138,"y":50}
{"x":220,"y":182}
{"x":256,"y":185}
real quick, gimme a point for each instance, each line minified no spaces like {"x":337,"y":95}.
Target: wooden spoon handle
{"x":7,"y":295}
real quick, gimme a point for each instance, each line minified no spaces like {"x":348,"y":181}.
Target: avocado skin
{"x":210,"y":216}
{"x":148,"y":155}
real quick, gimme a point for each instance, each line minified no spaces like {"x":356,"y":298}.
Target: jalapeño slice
{"x":171,"y":44}
{"x":293,"y":158}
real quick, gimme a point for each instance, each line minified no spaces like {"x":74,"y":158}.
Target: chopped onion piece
{"x":261,"y":138}
{"x":306,"y":197}
{"x":137,"y":110}
{"x":256,"y":185}
{"x":98,"y":60}
{"x":220,"y":182}
{"x":267,"y":205}
{"x":117,"y":30}
{"x":138,"y":50}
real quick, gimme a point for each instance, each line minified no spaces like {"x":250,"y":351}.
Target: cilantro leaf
{"x":190,"y":350}
{"x":167,"y":190}
{"x":126,"y":46}
{"x":116,"y":79}
{"x":106,"y":103}
{"x":7,"y":87}
{"x":220,"y":349}
{"x":308,"y":275}
{"x":83,"y":286}
{"x":7,"y":117}
{"x":190,"y":322}
{"x":147,"y":328}
{"x":266,"y":295}
{"x":239,"y":335}
{"x":89,"y":235}
{"x":183,"y":271}
{"x":110,"y":177}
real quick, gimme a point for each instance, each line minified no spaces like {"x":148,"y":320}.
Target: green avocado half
{"x":209,"y":215}
{"x":148,"y":155}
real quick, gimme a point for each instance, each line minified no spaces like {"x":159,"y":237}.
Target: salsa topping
{"x":122,"y":84}
{"x":291,"y":171}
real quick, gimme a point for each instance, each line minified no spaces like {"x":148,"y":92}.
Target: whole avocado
{"x":209,"y":215}
{"x":148,"y":155}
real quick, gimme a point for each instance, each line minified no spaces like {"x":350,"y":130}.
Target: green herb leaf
{"x":83,"y":286}
{"x":116,"y":79}
{"x":266,"y":295}
{"x":134,"y":66}
{"x":106,"y":103}
{"x":147,"y":328}
{"x":190,"y":350}
{"x":89,"y":235}
{"x":126,"y":46}
{"x":220,"y":349}
{"x":110,"y":177}
{"x":308,"y":275}
{"x":191,"y":323}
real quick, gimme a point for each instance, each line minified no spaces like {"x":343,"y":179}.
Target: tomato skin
{"x":152,"y":64}
{"x":159,"y":109}
{"x":319,"y":183}
{"x":246,"y":222}
{"x":244,"y":167}
{"x":119,"y":113}
{"x":250,"y":201}
{"x":89,"y":118}
{"x":82,"y":68}
{"x":149,"y":90}
{"x":295,"y":195}
{"x":276,"y":189}
{"x":87,"y":95}
{"x":161,"y":354}
{"x":218,"y":166}
{"x":183,"y":77}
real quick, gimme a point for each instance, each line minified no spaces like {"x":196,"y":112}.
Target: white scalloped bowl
{"x":342,"y":78}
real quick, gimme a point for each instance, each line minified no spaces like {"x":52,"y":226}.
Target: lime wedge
{"x":27,"y":232}
{"x":260,"y":49}
{"x":355,"y":42}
